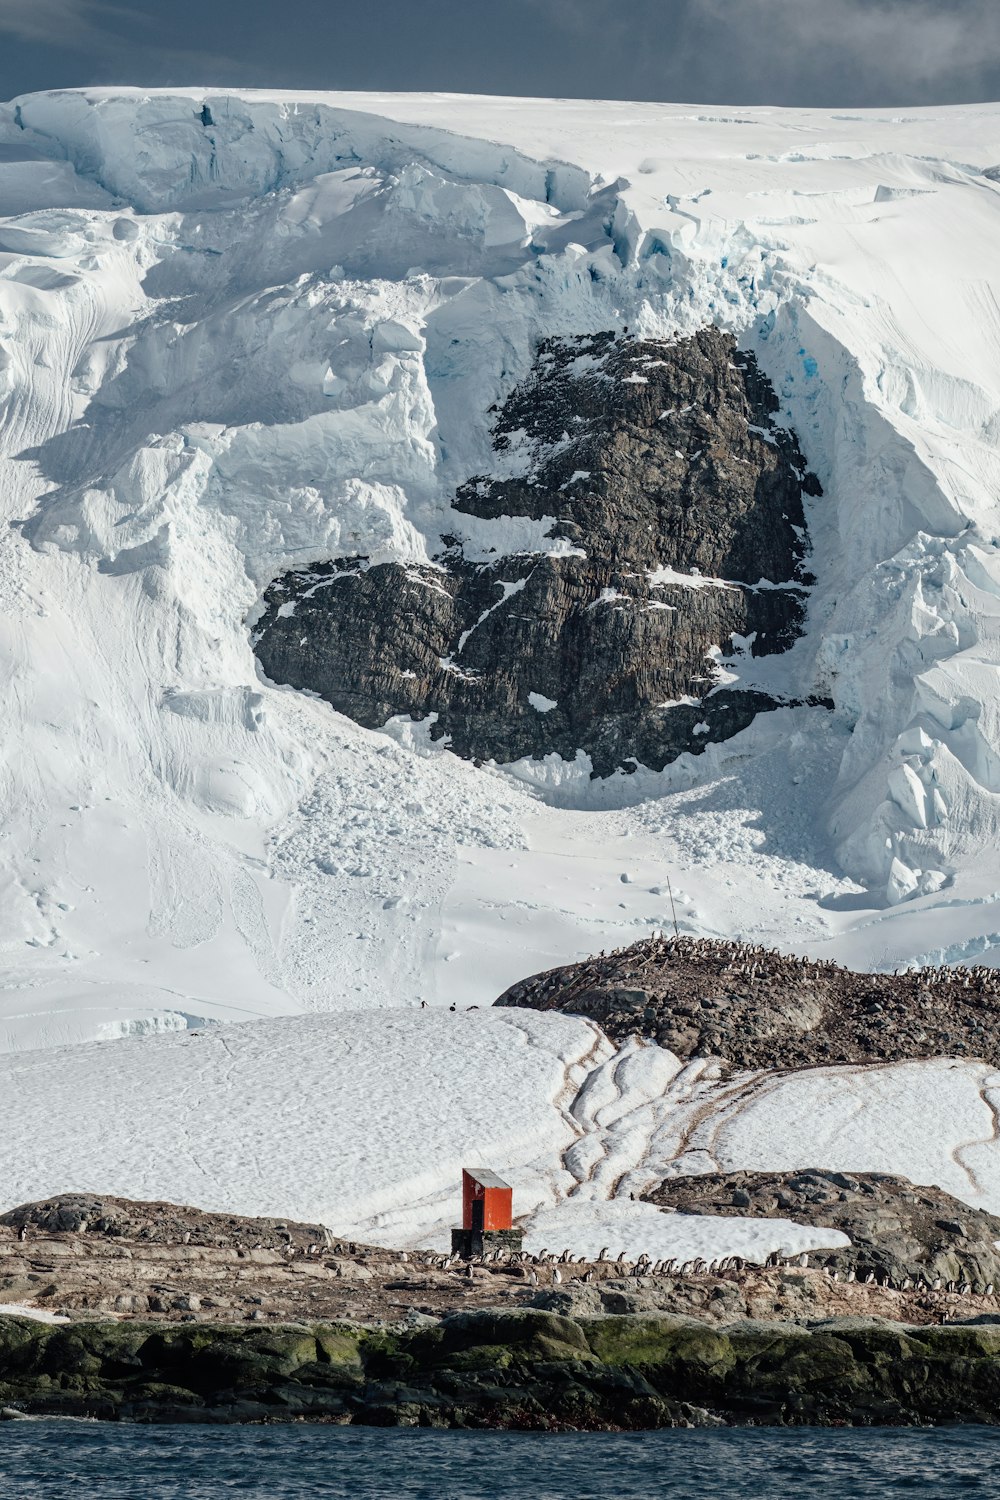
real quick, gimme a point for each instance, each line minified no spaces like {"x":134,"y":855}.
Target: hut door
{"x":477,"y":1215}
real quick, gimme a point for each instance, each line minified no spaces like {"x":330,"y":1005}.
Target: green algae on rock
{"x":527,"y":1369}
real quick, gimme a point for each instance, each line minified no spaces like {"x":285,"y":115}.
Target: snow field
{"x":40,"y":1314}
{"x":240,"y":332}
{"x":323,"y":1117}
{"x":933,"y":1121}
{"x":642,"y":1229}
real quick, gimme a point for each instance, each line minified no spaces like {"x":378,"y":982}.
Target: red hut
{"x":487,"y":1201}
{"x":487,"y":1208}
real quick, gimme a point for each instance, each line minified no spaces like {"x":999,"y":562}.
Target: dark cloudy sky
{"x":821,"y":52}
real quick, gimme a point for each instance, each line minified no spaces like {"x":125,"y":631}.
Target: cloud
{"x":892,"y":46}
{"x":125,"y":40}
{"x":820,"y":52}
{"x":824,"y":53}
{"x":67,"y":23}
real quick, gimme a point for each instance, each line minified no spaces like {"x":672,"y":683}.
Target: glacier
{"x":244,"y":331}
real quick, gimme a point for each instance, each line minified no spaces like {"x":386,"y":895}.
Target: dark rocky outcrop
{"x":158,"y":1223}
{"x":757,"y":1008}
{"x":897,"y":1230}
{"x":638,"y":456}
{"x":787,"y":1293}
{"x":218,"y":1327}
{"x":526,"y":1369}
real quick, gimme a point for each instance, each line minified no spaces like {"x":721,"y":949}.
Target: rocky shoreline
{"x":525,"y":1369}
{"x":917,"y":1256}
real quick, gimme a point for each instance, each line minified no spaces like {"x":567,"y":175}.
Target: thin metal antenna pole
{"x":673,"y":909}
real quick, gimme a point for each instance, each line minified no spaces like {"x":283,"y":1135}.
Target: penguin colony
{"x":758,"y":1008}
{"x":344,"y":1278}
{"x":731,"y":1267}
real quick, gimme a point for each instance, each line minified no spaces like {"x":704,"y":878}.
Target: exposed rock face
{"x":365,"y":1335}
{"x":83,"y":1255}
{"x":896,"y":1229}
{"x":783,"y":1294}
{"x":672,"y":508}
{"x":761,"y":1009}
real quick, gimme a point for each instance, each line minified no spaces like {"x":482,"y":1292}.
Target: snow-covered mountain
{"x":242,"y":334}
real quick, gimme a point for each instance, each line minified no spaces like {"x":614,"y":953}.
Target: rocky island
{"x":152,"y":1312}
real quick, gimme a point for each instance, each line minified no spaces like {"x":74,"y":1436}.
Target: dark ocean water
{"x":95,"y":1461}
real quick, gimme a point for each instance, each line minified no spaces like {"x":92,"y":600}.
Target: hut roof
{"x":485,"y":1177}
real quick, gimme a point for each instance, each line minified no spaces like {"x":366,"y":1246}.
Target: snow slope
{"x":366,"y":1128}
{"x":243,"y":331}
